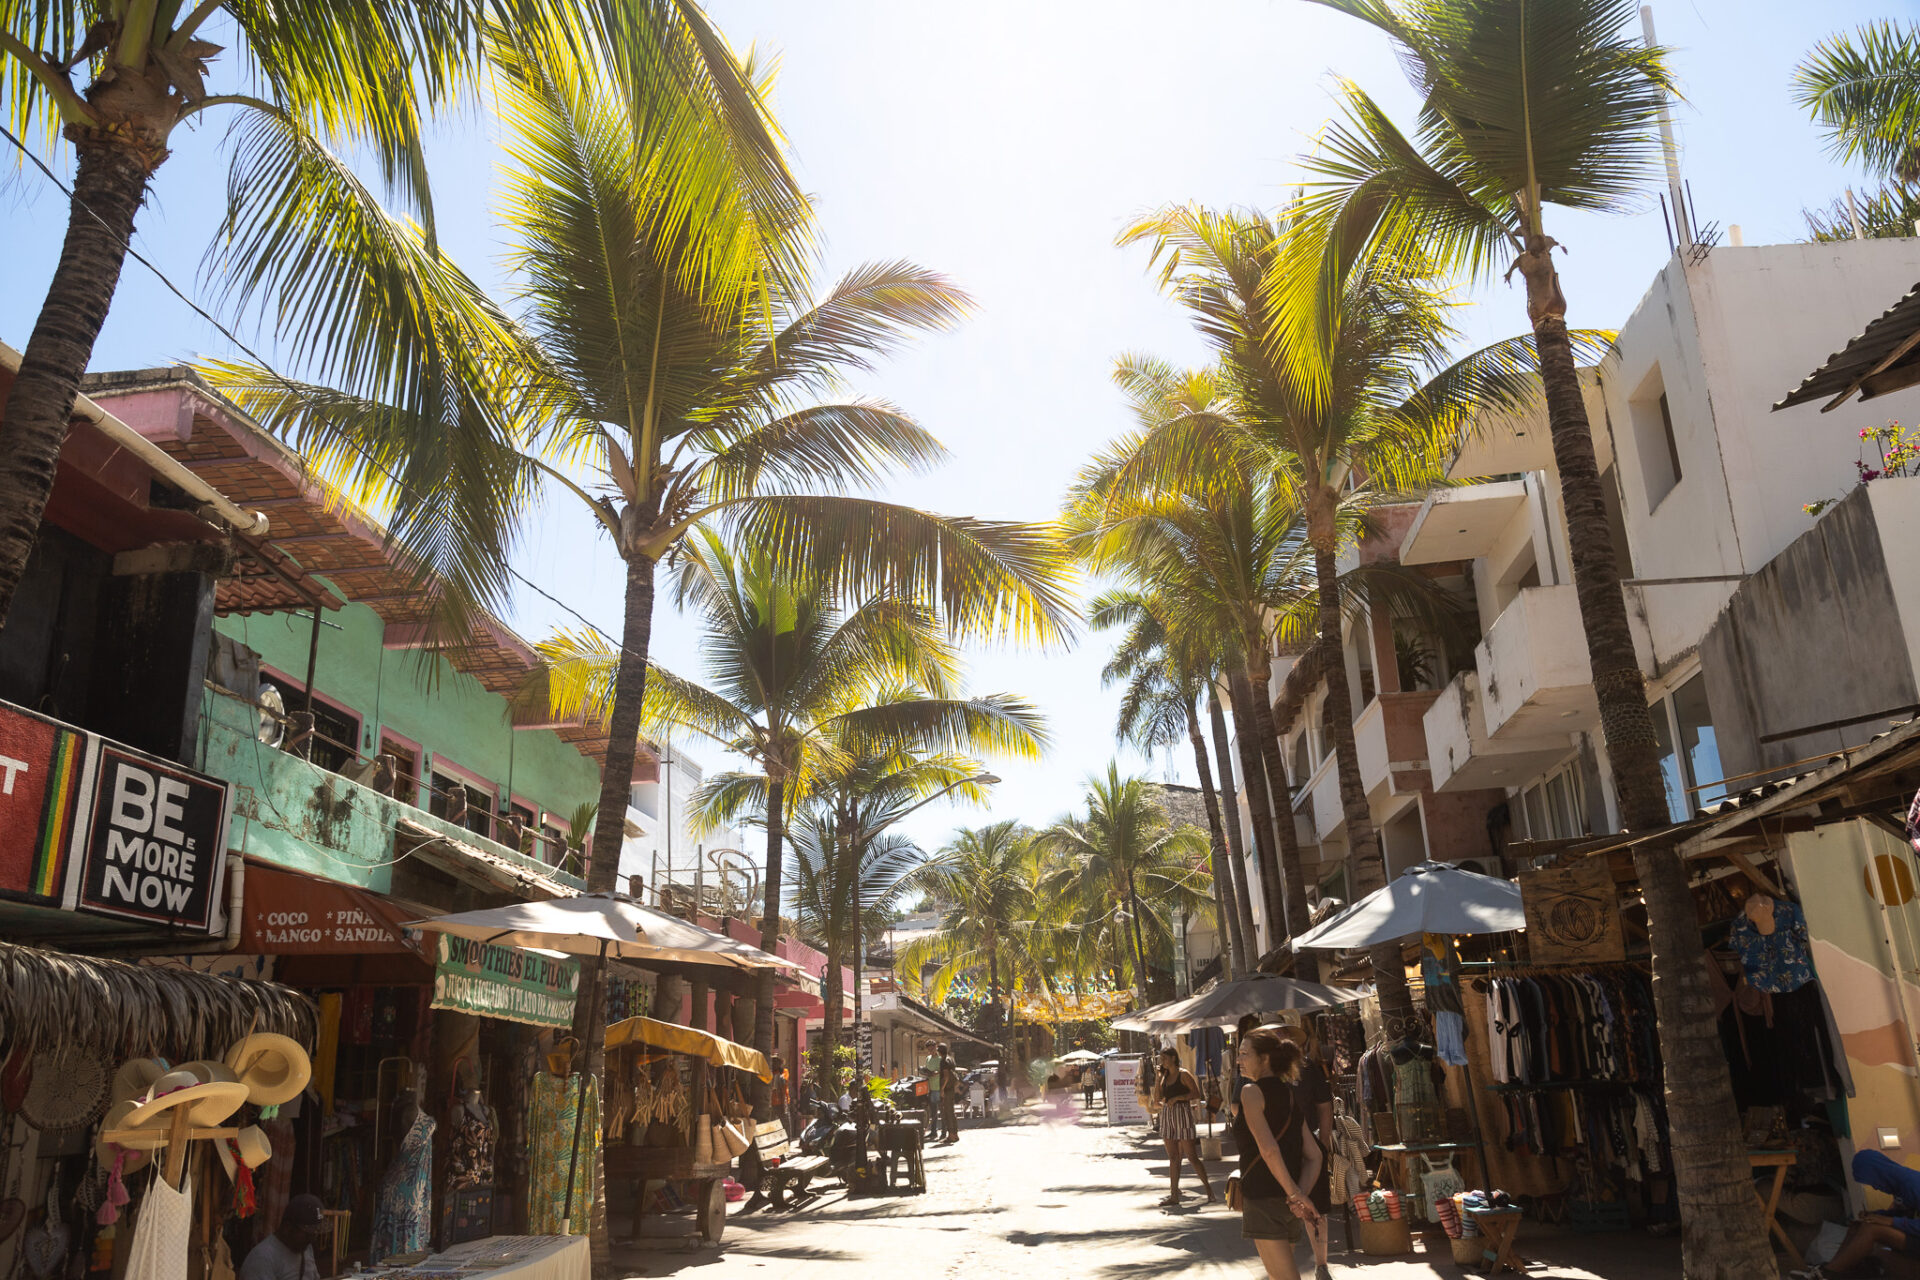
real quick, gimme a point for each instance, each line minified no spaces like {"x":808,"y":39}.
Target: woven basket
{"x":1384,"y":1239}
{"x":1467,"y":1249}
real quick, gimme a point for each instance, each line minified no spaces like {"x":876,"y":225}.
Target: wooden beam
{"x":1752,"y":872}
{"x":214,"y":558}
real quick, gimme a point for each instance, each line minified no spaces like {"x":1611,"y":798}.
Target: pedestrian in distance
{"x":1176,"y":1088}
{"x":949,"y":1096}
{"x":1277,"y":1167}
{"x":931,"y":1070}
{"x":1086,"y":1085}
{"x":1313,"y":1096}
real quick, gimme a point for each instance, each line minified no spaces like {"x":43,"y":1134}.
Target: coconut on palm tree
{"x":293,"y":85}
{"x":1527,"y":105}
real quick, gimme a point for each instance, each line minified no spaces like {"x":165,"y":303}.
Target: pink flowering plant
{"x":1899,"y":451}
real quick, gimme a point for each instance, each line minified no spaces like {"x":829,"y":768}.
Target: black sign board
{"x":156,"y":841}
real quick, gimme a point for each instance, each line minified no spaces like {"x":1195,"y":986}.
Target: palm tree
{"x":302,"y":235}
{"x":1360,"y":417}
{"x":1863,"y":89}
{"x":1526,"y":104}
{"x":1163,"y":673}
{"x":798,"y":685}
{"x":1128,"y":871}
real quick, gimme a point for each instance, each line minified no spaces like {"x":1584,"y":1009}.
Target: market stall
{"x":678,"y":1114}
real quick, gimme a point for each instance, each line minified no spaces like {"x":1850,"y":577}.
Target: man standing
{"x":931,"y":1070}
{"x":287,"y":1254}
{"x":950,"y":1096}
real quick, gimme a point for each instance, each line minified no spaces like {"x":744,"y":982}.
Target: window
{"x":524,"y":817}
{"x":449,"y":796}
{"x":1552,"y":808}
{"x":406,"y":782}
{"x":1691,"y":770}
{"x":1301,"y":767}
{"x":335,"y":743}
{"x":1654,"y":438}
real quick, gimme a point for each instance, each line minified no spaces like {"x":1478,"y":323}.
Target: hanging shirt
{"x":1776,"y":962}
{"x":1440,"y":971}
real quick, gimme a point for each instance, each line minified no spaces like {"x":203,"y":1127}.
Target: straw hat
{"x":274,"y":1068}
{"x":136,"y":1148}
{"x":255,"y":1149}
{"x":69,"y":1088}
{"x":208,"y":1103}
{"x":135,"y":1077}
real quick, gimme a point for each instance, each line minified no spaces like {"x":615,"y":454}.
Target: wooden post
{"x":698,"y":1018}
{"x":177,"y":1145}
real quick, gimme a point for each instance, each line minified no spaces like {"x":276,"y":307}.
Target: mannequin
{"x":403,"y":1215}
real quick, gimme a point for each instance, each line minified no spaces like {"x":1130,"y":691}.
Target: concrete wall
{"x":1728,"y":337}
{"x":448,"y":714}
{"x":1815,"y":636}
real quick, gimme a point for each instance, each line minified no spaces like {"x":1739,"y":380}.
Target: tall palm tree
{"x":301,"y":82}
{"x":1363,"y":416}
{"x":1527,"y":104}
{"x":854,"y":787}
{"x":1863,"y":89}
{"x":1163,"y":672}
{"x":797,"y":683}
{"x":1130,"y":873}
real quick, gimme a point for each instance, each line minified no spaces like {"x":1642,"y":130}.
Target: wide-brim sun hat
{"x":135,"y":1147}
{"x":135,"y":1077}
{"x":273,"y":1067}
{"x":208,"y":1103}
{"x":68,"y":1089}
{"x":255,"y":1149}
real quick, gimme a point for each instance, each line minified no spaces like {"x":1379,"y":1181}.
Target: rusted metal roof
{"x":1884,"y":357}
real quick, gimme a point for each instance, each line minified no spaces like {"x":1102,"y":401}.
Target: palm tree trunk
{"x":770,"y":931}
{"x":1227,"y":919}
{"x":1236,"y":840}
{"x":1306,"y":964}
{"x":1139,"y":948}
{"x":832,"y":993}
{"x":1722,"y":1230}
{"x":1259,"y":807}
{"x":603,"y":864}
{"x":1366,"y":862}
{"x":109,"y":183}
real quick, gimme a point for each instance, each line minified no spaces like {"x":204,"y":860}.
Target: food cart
{"x":672,"y":1094}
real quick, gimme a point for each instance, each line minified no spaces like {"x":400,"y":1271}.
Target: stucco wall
{"x":425,"y":700}
{"x":1814,"y":637}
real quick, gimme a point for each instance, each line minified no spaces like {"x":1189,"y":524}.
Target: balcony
{"x":1462,"y":757}
{"x":1463,"y":523}
{"x":1535,"y":680}
{"x":1391,"y":742}
{"x":292,"y":813}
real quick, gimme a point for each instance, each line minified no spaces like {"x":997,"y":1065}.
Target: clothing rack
{"x":1521,"y":969}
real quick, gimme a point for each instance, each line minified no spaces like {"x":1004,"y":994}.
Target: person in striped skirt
{"x":1178,"y":1090}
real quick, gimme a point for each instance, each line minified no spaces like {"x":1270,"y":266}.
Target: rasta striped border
{"x":56,"y":814}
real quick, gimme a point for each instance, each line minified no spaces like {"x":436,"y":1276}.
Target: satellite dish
{"x":273,"y":716}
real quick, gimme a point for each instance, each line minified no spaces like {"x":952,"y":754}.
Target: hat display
{"x":255,"y":1149}
{"x":69,"y":1088}
{"x":209,"y":1072}
{"x":274,"y":1068}
{"x":135,"y":1077}
{"x":207,"y":1102}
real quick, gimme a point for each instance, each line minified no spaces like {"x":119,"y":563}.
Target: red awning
{"x":288,"y":914}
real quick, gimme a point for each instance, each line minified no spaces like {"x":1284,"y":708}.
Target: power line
{"x":126,"y":244}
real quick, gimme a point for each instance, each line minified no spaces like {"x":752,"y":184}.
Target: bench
{"x":793,"y":1172}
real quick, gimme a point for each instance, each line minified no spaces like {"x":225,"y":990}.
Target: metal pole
{"x":1682,"y":221}
{"x":580,"y":1101}
{"x":313,"y":661}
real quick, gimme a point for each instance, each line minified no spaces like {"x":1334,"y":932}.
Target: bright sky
{"x":1005,"y":143}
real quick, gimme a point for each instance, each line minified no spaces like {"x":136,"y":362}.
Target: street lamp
{"x":859,"y":933}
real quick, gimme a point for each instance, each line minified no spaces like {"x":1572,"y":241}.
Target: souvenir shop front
{"x":131,"y":1105}
{"x":440,"y":1107}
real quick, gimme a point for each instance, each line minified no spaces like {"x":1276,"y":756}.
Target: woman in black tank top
{"x":1276,"y":1166}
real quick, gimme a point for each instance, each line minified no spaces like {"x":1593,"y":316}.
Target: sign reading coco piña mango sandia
{"x":504,"y":982}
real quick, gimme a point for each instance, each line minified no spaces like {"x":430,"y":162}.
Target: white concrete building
{"x":667,"y":851}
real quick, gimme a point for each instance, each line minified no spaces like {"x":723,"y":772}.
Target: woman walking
{"x":1313,"y":1095}
{"x":1276,"y":1166}
{"x":1177,"y":1089}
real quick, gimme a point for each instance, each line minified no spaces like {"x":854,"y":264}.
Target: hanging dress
{"x":403,"y":1217}
{"x":550,"y":1129}
{"x":158,"y":1250}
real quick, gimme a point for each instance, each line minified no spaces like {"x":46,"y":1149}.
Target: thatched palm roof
{"x":49,"y":998}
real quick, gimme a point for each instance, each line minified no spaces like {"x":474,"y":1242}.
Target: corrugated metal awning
{"x":1885,"y":357}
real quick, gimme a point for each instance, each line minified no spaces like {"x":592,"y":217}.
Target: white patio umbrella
{"x":1079,"y":1055}
{"x":1428,"y":897}
{"x":612,"y":926}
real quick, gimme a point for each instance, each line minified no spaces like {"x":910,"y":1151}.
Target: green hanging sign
{"x":504,"y":982}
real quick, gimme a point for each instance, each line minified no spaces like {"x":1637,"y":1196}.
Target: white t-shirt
{"x":271,"y":1259}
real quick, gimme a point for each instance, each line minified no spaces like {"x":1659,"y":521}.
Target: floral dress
{"x":403,"y":1215}
{"x":550,"y":1129}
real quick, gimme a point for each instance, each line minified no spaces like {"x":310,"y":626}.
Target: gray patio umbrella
{"x":1224,"y":1003}
{"x":612,"y":926}
{"x":1428,"y":897}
